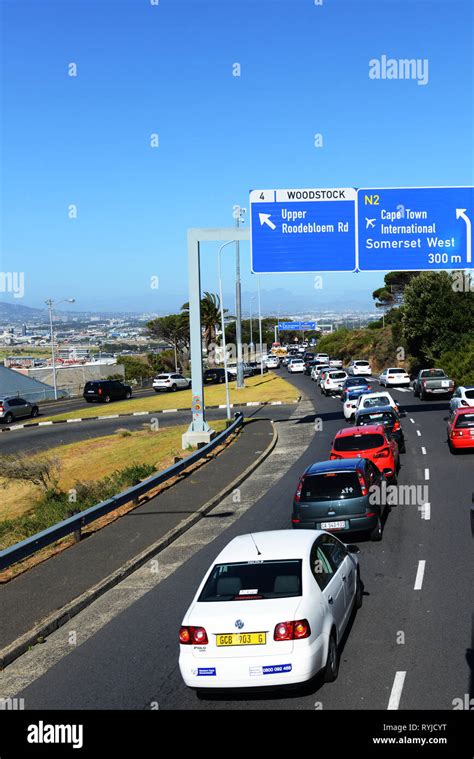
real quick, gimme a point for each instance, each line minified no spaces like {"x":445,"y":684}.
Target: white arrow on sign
{"x":461,"y":214}
{"x":265,"y":219}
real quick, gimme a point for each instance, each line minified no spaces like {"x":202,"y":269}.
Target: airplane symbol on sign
{"x":369,"y":222}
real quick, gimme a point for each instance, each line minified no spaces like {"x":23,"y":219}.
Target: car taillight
{"x":456,"y":433}
{"x":299,"y":489}
{"x":369,"y":387}
{"x":381,"y":454}
{"x":292,"y":630}
{"x":334,"y":456}
{"x":99,"y":392}
{"x":362,"y":483}
{"x":396,"y":427}
{"x":424,"y":382}
{"x":196,"y":636}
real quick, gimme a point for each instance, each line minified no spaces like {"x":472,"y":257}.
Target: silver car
{"x":16,"y":408}
{"x":462,"y":398}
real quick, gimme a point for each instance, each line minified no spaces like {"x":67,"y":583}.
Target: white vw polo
{"x":271,"y":610}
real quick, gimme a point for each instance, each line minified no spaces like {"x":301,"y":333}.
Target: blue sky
{"x":167,"y":69}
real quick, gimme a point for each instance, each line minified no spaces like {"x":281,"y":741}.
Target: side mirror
{"x":352,"y":548}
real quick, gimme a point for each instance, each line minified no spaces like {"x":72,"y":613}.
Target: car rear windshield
{"x":356,"y":381}
{"x":163,"y":376}
{"x":337,"y":375}
{"x":382,"y":417}
{"x":92,"y":385}
{"x":465,"y":421}
{"x":396,"y":371}
{"x":358,"y":442}
{"x":433,"y":373}
{"x":362,"y":363}
{"x":330,"y":486}
{"x":379,"y":400}
{"x":469,"y":393}
{"x":253,"y":580}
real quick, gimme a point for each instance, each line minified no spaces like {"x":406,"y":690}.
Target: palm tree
{"x":210,"y":316}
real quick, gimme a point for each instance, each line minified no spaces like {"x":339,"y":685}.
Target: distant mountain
{"x":17,"y":312}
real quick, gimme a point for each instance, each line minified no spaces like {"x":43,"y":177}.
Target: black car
{"x":215,"y":376}
{"x":104,"y":391}
{"x":308,"y":365}
{"x":256,"y":367}
{"x":387,"y":416}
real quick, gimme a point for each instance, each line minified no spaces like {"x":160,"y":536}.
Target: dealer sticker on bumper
{"x":205,"y":672}
{"x":276,"y":669}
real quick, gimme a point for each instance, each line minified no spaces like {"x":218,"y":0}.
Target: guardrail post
{"x":77,"y":532}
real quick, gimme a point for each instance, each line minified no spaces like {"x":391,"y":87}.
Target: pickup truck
{"x":432,"y":382}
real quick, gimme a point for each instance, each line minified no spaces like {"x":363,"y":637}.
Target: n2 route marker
{"x":415,"y":228}
{"x":302,"y":231}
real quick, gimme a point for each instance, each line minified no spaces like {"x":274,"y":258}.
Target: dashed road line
{"x":396,"y":692}
{"x":423,"y":450}
{"x":412,"y":420}
{"x":418,"y":433}
{"x":427,"y":474}
{"x":419,"y":575}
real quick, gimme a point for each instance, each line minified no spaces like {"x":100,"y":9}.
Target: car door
{"x":344,"y":569}
{"x":22,"y":407}
{"x":329,"y":579}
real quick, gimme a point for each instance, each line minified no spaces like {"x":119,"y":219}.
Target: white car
{"x":350,"y":405}
{"x":359,"y":368}
{"x":370,"y":400}
{"x":272,"y":362}
{"x":316,"y":371}
{"x":394,"y":376}
{"x":170,"y":382}
{"x":322,"y":358}
{"x":462,"y":398}
{"x":296,"y":365}
{"x":335,"y":363}
{"x":271,"y":610}
{"x":333,"y":381}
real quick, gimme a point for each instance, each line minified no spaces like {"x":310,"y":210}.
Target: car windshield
{"x":251,"y":580}
{"x":331,"y":486}
{"x":379,"y":400}
{"x":353,"y":396}
{"x":433,"y":373}
{"x":465,"y":421}
{"x":358,"y":442}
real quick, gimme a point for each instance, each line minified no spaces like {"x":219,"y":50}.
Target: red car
{"x":372,"y":442}
{"x":461,"y":429}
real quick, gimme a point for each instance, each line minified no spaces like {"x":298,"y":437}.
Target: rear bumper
{"x":254,"y":671}
{"x":356,"y":523}
{"x":462,"y":443}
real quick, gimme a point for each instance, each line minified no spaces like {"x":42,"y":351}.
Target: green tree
{"x":210,"y":317}
{"x":174,"y":331}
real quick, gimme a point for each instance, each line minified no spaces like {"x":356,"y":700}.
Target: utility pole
{"x":238,"y":307}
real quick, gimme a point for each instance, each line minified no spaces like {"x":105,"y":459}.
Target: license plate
{"x":90,"y":391}
{"x":333,"y":525}
{"x":242,"y":639}
{"x":444,"y":383}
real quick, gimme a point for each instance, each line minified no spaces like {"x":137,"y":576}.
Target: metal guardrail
{"x":29,"y":546}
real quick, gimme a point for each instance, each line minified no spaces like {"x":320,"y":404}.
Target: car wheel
{"x":128,"y":394}
{"x":8,"y":418}
{"x":359,"y":596}
{"x":174,"y":388}
{"x":376,"y":533}
{"x":34,"y":411}
{"x":453,"y":450}
{"x":415,"y":392}
{"x":331,"y":670}
{"x":403,"y":448}
{"x":107,"y":399}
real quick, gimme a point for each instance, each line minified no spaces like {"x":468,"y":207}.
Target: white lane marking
{"x":418,"y":433}
{"x":170,"y":410}
{"x":412,"y":420}
{"x":253,"y":403}
{"x":42,"y":424}
{"x":396,"y":693}
{"x":427,"y":474}
{"x":71,"y":421}
{"x":419,"y":575}
{"x":142,"y":413}
{"x":109,"y":416}
{"x":423,"y":450}
{"x":426,"y":511}
{"x":276,"y":403}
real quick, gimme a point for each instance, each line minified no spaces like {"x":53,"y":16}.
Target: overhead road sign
{"x":415,"y":228}
{"x":298,"y":326}
{"x":299,"y":231}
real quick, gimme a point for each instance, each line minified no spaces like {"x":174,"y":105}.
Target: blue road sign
{"x":300,"y":326}
{"x":303,"y":230}
{"x":415,"y":228}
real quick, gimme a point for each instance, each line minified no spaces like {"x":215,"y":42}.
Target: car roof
{"x":273,"y":544}
{"x":376,"y":410}
{"x":336,"y":465}
{"x":365,"y":430}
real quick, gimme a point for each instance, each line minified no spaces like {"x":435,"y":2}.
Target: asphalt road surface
{"x":416,"y":616}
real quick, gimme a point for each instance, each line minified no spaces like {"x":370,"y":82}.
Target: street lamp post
{"x":252,"y":297}
{"x":227,"y":394}
{"x":260,"y":326}
{"x":51,"y":305}
{"x":238,"y":307}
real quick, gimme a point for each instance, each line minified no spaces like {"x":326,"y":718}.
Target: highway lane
{"x":425,"y":633}
{"x":40,"y":439}
{"x":50,"y":408}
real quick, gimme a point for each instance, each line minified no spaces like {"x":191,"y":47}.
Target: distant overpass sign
{"x":415,"y":228}
{"x":297,"y":326}
{"x":300,"y":231}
